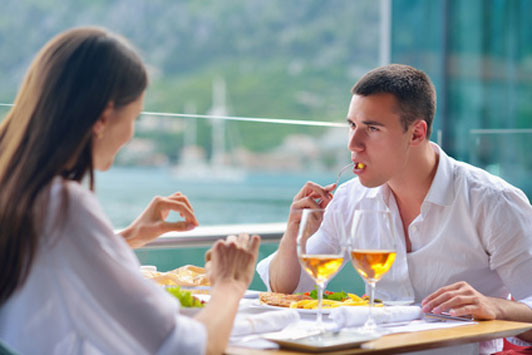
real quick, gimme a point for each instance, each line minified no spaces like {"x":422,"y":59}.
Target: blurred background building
{"x":479,"y":55}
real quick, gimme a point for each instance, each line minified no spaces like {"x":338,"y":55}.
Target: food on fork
{"x":188,"y":276}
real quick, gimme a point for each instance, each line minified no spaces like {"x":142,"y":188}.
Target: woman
{"x":68,"y":284}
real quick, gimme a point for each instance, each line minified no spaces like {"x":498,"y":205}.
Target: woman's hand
{"x":152,"y":222}
{"x":230,"y":268}
{"x":232,"y":261}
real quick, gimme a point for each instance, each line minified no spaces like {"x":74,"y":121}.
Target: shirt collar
{"x":441,"y":190}
{"x":381,"y":193}
{"x":375,"y":191}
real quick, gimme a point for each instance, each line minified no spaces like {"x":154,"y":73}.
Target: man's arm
{"x":515,"y":311}
{"x":461,"y":299}
{"x":284,"y":267}
{"x":505,"y":228}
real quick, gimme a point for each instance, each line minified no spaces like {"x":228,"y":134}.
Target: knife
{"x":446,"y":315}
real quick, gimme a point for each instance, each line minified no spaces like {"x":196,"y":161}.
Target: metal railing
{"x":206,"y":236}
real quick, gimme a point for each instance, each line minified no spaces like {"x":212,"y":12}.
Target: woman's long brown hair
{"x":48,"y":132}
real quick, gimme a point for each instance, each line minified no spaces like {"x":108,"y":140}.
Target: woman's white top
{"x":85,"y":293}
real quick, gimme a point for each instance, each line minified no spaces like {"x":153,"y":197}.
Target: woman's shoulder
{"x":76,"y":219}
{"x":74,"y":190}
{"x":71,"y":202}
{"x":74,"y":194}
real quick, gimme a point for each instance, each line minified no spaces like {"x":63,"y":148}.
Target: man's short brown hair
{"x":412,"y":88}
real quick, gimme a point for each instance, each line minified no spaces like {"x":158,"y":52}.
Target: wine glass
{"x":324,"y":265}
{"x":372,"y":249}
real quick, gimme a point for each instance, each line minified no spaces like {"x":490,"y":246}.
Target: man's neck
{"x":411,"y":188}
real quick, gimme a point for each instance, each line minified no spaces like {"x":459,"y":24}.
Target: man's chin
{"x":369,"y":183}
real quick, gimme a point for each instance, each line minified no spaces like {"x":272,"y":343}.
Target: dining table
{"x":397,"y":342}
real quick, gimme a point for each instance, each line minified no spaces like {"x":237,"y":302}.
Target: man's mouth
{"x":359,"y":166}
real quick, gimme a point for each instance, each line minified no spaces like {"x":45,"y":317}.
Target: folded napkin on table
{"x":356,"y":316}
{"x":264,"y":322}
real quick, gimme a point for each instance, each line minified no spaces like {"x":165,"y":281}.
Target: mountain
{"x":285,"y":59}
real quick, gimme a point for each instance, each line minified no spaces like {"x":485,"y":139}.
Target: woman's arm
{"x":230,"y":268}
{"x":152,"y":222}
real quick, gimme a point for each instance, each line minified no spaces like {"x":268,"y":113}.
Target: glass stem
{"x":319,"y":322}
{"x":370,"y":323}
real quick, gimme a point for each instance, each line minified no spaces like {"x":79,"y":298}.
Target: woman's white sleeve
{"x":111,"y":304}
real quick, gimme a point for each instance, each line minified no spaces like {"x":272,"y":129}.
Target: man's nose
{"x":355,"y":142}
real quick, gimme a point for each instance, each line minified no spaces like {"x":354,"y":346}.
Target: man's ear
{"x":419,"y":132}
{"x":99,"y":126}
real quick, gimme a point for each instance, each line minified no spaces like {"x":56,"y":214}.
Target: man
{"x":465,"y":236}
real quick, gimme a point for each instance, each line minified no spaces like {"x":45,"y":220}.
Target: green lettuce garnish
{"x":328,"y":295}
{"x":185,"y":297}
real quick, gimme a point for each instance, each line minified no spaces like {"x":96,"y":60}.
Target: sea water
{"x":124,"y":192}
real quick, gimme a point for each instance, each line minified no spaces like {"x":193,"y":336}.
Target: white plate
{"x":252,"y":294}
{"x":206,"y":290}
{"x":189,"y":311}
{"x":398,"y":303}
{"x":196,"y":289}
{"x":327,"y":341}
{"x":258,"y":304}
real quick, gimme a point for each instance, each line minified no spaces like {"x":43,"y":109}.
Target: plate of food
{"x":307,"y":302}
{"x":197,"y":290}
{"x":324,"y":311}
{"x":189,"y":276}
{"x":190,"y":304}
{"x":277,"y":300}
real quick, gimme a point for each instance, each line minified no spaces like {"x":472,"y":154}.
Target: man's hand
{"x":311,"y":195}
{"x":152,"y":222}
{"x":461,"y":299}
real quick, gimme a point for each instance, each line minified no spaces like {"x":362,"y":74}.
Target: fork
{"x":343,"y":170}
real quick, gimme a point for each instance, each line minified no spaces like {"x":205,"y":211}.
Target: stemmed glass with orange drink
{"x":372,"y":249}
{"x":324,"y":265}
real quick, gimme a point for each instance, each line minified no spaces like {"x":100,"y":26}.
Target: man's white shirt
{"x":473,"y":227}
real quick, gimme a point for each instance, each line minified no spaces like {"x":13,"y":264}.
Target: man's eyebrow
{"x":367,"y":122}
{"x":373,"y":123}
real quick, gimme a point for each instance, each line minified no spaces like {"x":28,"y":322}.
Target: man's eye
{"x":373,"y":129}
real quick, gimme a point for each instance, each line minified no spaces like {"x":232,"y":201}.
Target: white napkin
{"x":357,"y":315}
{"x":264,"y":322}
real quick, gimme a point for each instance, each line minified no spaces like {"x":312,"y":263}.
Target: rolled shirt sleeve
{"x":317,"y":244}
